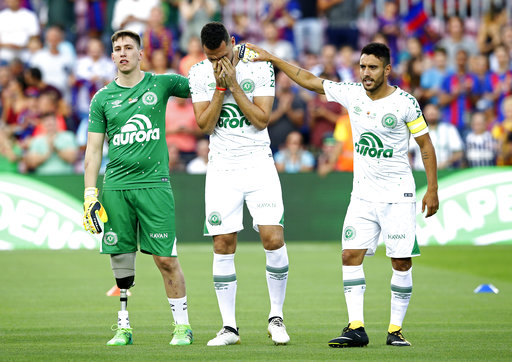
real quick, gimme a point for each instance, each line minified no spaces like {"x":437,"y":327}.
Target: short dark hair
{"x":213,"y":34}
{"x":126,"y":33}
{"x":380,"y":50}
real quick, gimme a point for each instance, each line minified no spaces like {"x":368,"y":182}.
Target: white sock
{"x":354,"y":286}
{"x":224,"y":281}
{"x":277,"y":277}
{"x":401,"y":290}
{"x":179,"y":310}
{"x":122,"y":319}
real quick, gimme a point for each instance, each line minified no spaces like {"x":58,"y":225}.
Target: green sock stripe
{"x":280,"y":270}
{"x":224,"y":278}
{"x":354,"y":282}
{"x":396,"y":288}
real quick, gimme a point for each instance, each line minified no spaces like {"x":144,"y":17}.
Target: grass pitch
{"x":53,"y":306}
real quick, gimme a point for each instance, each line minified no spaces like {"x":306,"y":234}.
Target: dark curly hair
{"x":213,"y":34}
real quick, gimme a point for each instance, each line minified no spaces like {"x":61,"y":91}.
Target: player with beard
{"x":383,"y":200}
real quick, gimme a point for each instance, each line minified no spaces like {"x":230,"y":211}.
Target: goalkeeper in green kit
{"x":137,"y":197}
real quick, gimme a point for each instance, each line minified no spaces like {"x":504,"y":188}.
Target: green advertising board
{"x":475,"y":207}
{"x":34,"y":215}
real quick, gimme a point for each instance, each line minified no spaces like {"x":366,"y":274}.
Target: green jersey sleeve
{"x":178,"y":85}
{"x":97,"y":120}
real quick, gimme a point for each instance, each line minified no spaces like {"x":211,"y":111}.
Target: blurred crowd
{"x":55,"y":54}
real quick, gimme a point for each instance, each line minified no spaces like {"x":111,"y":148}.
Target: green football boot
{"x":182,"y":335}
{"x":122,"y":337}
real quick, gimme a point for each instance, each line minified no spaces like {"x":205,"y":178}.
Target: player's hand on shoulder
{"x":260,"y":54}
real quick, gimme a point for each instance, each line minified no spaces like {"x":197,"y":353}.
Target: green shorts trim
{"x":139,"y":218}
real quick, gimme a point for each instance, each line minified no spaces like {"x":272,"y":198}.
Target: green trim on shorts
{"x":224,"y":278}
{"x":281,"y":270}
{"x":415,"y":248}
{"x":281,"y":222}
{"x":354,"y":282}
{"x":205,"y":230}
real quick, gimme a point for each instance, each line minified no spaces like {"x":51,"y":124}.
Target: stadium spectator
{"x":252,"y":10}
{"x":506,"y":39}
{"x":431,"y":79}
{"x":52,"y":152}
{"x":456,"y":40}
{"x":378,"y":197}
{"x":503,"y":133}
{"x":10,"y":152}
{"x":389,"y":26}
{"x":34,"y":45}
{"x":181,"y":127}
{"x":498,"y":84}
{"x":278,"y":46}
{"x":61,"y":13}
{"x":17,"y":25}
{"x":194,"y":14}
{"x":14,"y":101}
{"x":347,"y":64}
{"x":158,"y":63}
{"x":338,"y":148}
{"x":445,"y":138}
{"x":56,"y":66}
{"x":322,"y":116}
{"x":459,"y":92}
{"x":342,"y":21}
{"x":194,"y":55}
{"x":308,"y":28}
{"x":242,"y":30}
{"x":328,"y":63}
{"x":199,"y":164}
{"x":132,"y":14}
{"x":157,"y":37}
{"x":293,"y":158}
{"x":176,"y":164}
{"x":480,"y":145}
{"x":491,"y":23}
{"x":283,"y":14}
{"x":288,"y":112}
{"x":240,"y":169}
{"x":91,"y":73}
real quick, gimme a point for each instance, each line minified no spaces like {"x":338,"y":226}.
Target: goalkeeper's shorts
{"x":142,"y":217}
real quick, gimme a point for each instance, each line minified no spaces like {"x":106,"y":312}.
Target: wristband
{"x":221,"y":89}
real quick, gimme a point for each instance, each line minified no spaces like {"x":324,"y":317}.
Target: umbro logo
{"x":117,"y":103}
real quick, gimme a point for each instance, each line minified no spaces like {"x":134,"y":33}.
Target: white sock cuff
{"x":223,"y":264}
{"x":352,"y":272}
{"x":176,"y":301}
{"x":277,"y":258}
{"x":402,"y":278}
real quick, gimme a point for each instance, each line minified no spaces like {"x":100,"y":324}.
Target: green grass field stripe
{"x":281,"y":270}
{"x":396,"y":288}
{"x":224,"y":278}
{"x":354,"y":282}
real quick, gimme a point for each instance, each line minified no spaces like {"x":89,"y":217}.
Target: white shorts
{"x":226,"y":189}
{"x":394,"y":223}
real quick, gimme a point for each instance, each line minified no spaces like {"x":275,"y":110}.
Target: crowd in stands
{"x":55,"y":54}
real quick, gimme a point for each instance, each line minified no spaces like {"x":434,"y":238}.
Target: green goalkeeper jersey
{"x":134,"y":122}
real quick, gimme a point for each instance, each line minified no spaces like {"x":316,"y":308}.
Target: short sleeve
{"x":338,"y":92}
{"x":265,"y":82}
{"x":179,"y":85}
{"x":97,"y":121}
{"x":414,"y":118}
{"x":197,"y":84}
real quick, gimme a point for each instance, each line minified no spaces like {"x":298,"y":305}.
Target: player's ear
{"x":233,"y":41}
{"x":387,"y":70}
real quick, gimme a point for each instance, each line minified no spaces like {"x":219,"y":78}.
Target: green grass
{"x":53,"y":306}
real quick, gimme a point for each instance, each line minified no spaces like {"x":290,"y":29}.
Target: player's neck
{"x":129,"y":79}
{"x":382,"y":92}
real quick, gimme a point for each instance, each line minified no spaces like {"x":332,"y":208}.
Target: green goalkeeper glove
{"x":93,"y":210}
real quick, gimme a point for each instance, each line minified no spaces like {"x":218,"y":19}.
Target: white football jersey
{"x":234,"y":138}
{"x":380,"y":132}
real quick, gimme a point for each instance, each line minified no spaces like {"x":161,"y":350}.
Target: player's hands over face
{"x":430,"y":202}
{"x":228,"y":72}
{"x":217,"y":72}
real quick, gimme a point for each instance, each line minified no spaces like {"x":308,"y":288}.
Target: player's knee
{"x":123,"y":266}
{"x":352,"y":257}
{"x":167,"y":264}
{"x":125,"y":283}
{"x":401,"y":264}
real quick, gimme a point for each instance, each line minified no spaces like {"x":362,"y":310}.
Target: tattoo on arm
{"x":425,"y":155}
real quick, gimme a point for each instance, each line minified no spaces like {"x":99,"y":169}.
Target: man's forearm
{"x":251,"y":111}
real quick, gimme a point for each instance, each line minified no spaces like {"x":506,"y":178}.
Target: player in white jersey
{"x":232,"y":102}
{"x":383,"y":196}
